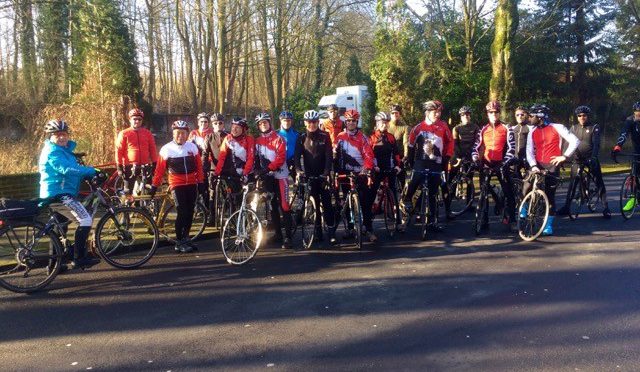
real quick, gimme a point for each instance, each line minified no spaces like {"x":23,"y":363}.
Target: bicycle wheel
{"x":297,"y":211}
{"x":390,"y":209}
{"x":480,"y":211}
{"x":461,"y":191}
{"x":533,"y":213}
{"x":628,"y":201}
{"x":220,"y":198}
{"x":424,"y":212}
{"x":517,"y":184}
{"x":168,"y":221}
{"x":308,"y":225}
{"x":576,"y":199}
{"x":29,"y":258}
{"x":126,"y":238}
{"x":241,"y":237}
{"x":356,"y":217}
{"x":594,"y":199}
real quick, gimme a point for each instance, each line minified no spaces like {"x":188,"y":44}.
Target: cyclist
{"x":544,"y":150}
{"x":197,"y":136}
{"x":399,"y":129}
{"x":430,"y":148}
{"x":495,"y":148}
{"x":353,"y":154}
{"x":236,"y":154}
{"x":386,"y":159}
{"x":587,"y":153}
{"x":210,"y":154}
{"x":313,"y":157}
{"x":135,"y":147}
{"x":271,"y":167}
{"x":630,"y":129}
{"x":290,"y":136}
{"x":464,"y":136}
{"x":520,"y":132}
{"x":60,"y":178}
{"x":332,"y":125}
{"x":181,"y":160}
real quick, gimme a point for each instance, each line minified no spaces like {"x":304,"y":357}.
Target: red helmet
{"x":136,"y":112}
{"x":493,"y":106}
{"x":351,"y":114}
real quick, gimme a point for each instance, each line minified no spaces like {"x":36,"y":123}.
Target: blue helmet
{"x":286,"y":115}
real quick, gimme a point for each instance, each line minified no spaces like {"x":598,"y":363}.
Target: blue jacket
{"x":59,"y":170}
{"x":290,"y":136}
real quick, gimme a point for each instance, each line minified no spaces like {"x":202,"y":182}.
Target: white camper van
{"x":346,"y":98}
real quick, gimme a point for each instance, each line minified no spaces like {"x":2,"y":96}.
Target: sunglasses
{"x":582,"y":115}
{"x":493,"y":112}
{"x":532,"y":116}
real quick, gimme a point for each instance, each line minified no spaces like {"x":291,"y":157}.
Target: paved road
{"x":569,"y":302}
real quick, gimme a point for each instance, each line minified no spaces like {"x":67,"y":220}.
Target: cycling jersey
{"x":589,"y":136}
{"x":313,"y":154}
{"x":198,"y":137}
{"x":271,"y":153}
{"x":545,"y":142}
{"x":352,"y":152}
{"x":135,"y":146}
{"x":466,"y":137}
{"x":59,"y":170}
{"x":290,"y":137}
{"x":211,"y":151}
{"x":496,"y":142}
{"x":236,"y":156}
{"x":630,"y":129}
{"x":521,"y":132}
{"x":183,"y":163}
{"x":385,"y":150}
{"x":429,"y":144}
{"x":332,"y":127}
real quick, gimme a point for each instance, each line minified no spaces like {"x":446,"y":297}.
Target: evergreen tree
{"x":53,"y":21}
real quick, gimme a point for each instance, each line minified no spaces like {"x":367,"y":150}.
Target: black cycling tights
{"x":185,"y":199}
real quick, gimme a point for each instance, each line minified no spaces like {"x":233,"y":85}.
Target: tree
{"x":502,"y":82}
{"x":53,"y":33}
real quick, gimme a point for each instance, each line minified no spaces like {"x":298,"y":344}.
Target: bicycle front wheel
{"x":424,"y":212}
{"x":356,"y":217}
{"x":126,"y":238}
{"x":390,"y":211}
{"x":29,"y":258}
{"x":594,"y":199}
{"x":576,"y":199}
{"x":628,"y":201}
{"x":241,"y":237}
{"x":198,"y":225}
{"x":461,"y":192}
{"x":308,"y":226}
{"x":532,"y":215}
{"x":480,"y":212}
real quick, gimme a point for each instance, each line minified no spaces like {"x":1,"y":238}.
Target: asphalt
{"x":456,"y":302}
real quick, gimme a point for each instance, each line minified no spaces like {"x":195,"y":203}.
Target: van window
{"x":350,"y":98}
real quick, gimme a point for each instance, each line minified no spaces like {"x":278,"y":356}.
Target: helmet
{"x":493,"y":106}
{"x":240,"y":121}
{"x":439,"y":104}
{"x":382,"y":116}
{"x":332,"y":107}
{"x":430,"y":106}
{"x":311,"y":115}
{"x":180,"y":124}
{"x":216,"y":116}
{"x":286,"y":115}
{"x":396,"y":107}
{"x":203,"y":115}
{"x":522,"y":108}
{"x":351,"y":114}
{"x":136,"y":112}
{"x":263,"y":116}
{"x":54,"y":126}
{"x":539,"y":110}
{"x":636,"y":106}
{"x":465,"y":110}
{"x":582,"y":110}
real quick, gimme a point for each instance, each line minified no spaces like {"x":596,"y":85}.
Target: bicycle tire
{"x":576,"y":200}
{"x":356,"y":216}
{"x":14,"y":238}
{"x":198,"y":226}
{"x":297,"y":214}
{"x":233,"y":244}
{"x":390,"y":210}
{"x":594,"y":199}
{"x":461,"y":193}
{"x":424,"y":212}
{"x":628,"y":190}
{"x":308,"y":226}
{"x":136,"y":235}
{"x":536,"y":205}
{"x":480,"y":211}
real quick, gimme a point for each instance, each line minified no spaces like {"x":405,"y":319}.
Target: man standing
{"x":135,"y":147}
{"x":290,"y":136}
{"x":332,"y":125}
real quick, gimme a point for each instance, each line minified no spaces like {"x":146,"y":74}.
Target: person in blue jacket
{"x":60,"y":178}
{"x":290,"y":136}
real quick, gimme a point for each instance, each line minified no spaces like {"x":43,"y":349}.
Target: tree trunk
{"x":181,"y":28}
{"x":580,"y":28}
{"x":502,"y":82}
{"x":222,"y":54}
{"x":266,"y":58}
{"x":151,"y":83}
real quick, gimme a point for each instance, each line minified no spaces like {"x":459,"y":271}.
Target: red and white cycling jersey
{"x":196,"y":136}
{"x":182,"y":162}
{"x":497,"y":143}
{"x":545,"y":142}
{"x":236,"y":156}
{"x":352,"y":152}
{"x":271,"y":152}
{"x":432,"y":142}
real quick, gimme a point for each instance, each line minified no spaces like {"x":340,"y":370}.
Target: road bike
{"x":242,"y":233}
{"x":583,"y":191}
{"x":533,"y":211}
{"x":629,"y":192}
{"x":427,"y":217}
{"x":461,"y":190}
{"x":349,"y":208}
{"x":385,"y":202}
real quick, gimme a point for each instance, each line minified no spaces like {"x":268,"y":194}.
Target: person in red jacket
{"x":271,"y":168}
{"x":332,"y":125}
{"x":135,"y":150}
{"x":236,"y":155}
{"x":180,"y":158}
{"x":353,"y":154}
{"x":198,"y":135}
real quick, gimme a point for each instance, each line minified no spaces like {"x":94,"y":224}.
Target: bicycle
{"x":423,"y":212}
{"x":583,"y":191}
{"x":305,"y":210}
{"x":461,"y":190}
{"x":242,"y":233}
{"x":533,"y":211}
{"x":224,"y":199}
{"x":386,"y":203}
{"x":629,"y":192}
{"x":349,"y":208}
{"x":498,"y":196}
{"x":32,"y":252}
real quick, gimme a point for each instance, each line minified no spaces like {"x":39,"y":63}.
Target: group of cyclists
{"x":428,"y":153}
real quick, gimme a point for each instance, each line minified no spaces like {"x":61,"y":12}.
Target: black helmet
{"x":582,"y":110}
{"x":395,"y":108}
{"x":465,"y":110}
{"x":240,"y":121}
{"x":539,"y":110}
{"x":54,"y":126}
{"x":216,"y":116}
{"x":332,"y":107}
{"x":636,"y":106}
